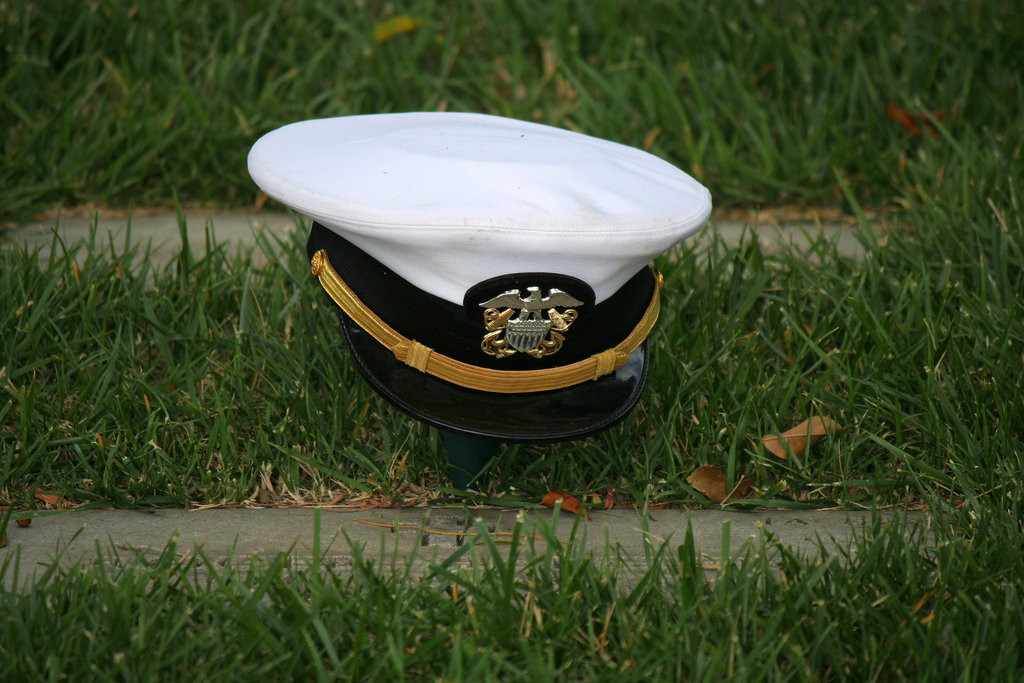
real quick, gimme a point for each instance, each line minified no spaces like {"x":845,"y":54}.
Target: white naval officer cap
{"x":491,"y":275}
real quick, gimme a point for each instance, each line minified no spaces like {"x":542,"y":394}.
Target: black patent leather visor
{"x":546,"y":416}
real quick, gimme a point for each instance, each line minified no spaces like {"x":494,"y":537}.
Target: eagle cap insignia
{"x":532,"y":324}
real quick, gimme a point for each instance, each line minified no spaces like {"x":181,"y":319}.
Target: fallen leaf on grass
{"x":569,"y":503}
{"x":395,"y":26}
{"x":801,"y":437}
{"x":711,"y":481}
{"x":915,"y":121}
{"x":606,"y":501}
{"x":742,"y":489}
{"x":53,"y":500}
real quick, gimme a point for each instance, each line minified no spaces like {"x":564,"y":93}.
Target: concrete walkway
{"x":423,"y":534}
{"x":395,"y":537}
{"x":160,"y":231}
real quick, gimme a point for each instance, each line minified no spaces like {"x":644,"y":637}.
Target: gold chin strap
{"x":427,"y":360}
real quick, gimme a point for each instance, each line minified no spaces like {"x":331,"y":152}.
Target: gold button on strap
{"x":427,"y":360}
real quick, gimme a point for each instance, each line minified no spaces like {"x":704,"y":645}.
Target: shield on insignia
{"x":530,"y":332}
{"x":524,"y":335}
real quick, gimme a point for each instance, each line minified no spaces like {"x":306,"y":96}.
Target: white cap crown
{"x":448,"y":200}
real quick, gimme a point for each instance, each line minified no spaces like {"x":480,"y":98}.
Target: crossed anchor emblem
{"x":530,"y":332}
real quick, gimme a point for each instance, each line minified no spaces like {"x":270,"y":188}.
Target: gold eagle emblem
{"x":534,"y":331}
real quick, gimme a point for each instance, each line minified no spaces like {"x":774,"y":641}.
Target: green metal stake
{"x":468,"y":456}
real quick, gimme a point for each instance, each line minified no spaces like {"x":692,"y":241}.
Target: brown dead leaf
{"x":605,"y":500}
{"x":742,"y":489}
{"x":711,"y":481}
{"x":23,"y":522}
{"x":569,"y":503}
{"x":801,"y":437}
{"x":53,"y":500}
{"x":916,"y":121}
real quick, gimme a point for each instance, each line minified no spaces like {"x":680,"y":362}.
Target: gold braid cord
{"x":426,"y":360}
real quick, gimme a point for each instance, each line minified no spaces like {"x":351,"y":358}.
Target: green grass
{"x":128,"y":383}
{"x":887,"y":609}
{"x":117,"y":102}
